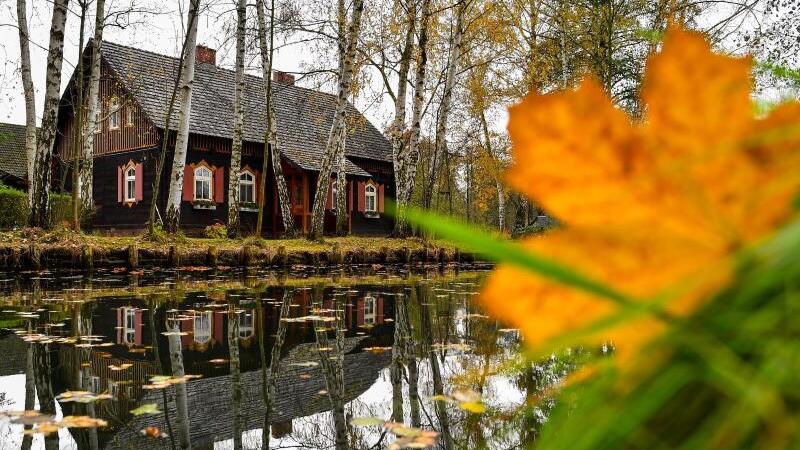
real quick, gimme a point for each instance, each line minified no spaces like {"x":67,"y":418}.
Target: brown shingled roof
{"x":303,"y":116}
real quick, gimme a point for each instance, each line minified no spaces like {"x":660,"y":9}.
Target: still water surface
{"x":364,"y":359}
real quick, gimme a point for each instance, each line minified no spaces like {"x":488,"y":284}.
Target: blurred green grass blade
{"x":504,"y":251}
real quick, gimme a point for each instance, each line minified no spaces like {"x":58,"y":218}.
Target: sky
{"x":159,"y":32}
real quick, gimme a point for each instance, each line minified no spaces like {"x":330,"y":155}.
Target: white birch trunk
{"x":27,"y":89}
{"x":90,"y":119}
{"x":410,"y":156}
{"x":234,"y":226}
{"x":440,"y":146}
{"x":340,"y":201}
{"x":271,"y":148}
{"x":40,"y":185}
{"x":397,"y":129}
{"x":338,"y":127}
{"x":172,"y":215}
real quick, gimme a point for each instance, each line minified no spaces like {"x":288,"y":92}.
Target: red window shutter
{"x":380,"y":198}
{"x":139,"y":182}
{"x":329,"y":198}
{"x":188,"y":183}
{"x":361,"y":202}
{"x":119,"y":184}
{"x":219,"y":185}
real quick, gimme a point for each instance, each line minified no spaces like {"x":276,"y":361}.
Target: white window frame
{"x":129,"y":331}
{"x":369,"y":312}
{"x":246,"y":329}
{"x":202,"y":178}
{"x":251,"y":183}
{"x":113,"y":114}
{"x":129,"y":115}
{"x":201,"y":327}
{"x":98,"y":124}
{"x":130,"y":181}
{"x":370,"y":196}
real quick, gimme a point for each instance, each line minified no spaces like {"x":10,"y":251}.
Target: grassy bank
{"x":37,"y":249}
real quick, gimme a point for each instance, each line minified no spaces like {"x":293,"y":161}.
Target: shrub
{"x":216,"y":231}
{"x":14,"y":208}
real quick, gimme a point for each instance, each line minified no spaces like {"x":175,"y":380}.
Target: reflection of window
{"x":94,"y":384}
{"x":113,"y":114}
{"x":246,"y":187}
{"x":202,"y":183}
{"x":370,"y":198}
{"x":369,"y":310}
{"x":202,"y":327}
{"x":130,"y":184}
{"x":245,"y":325}
{"x":113,"y":389}
{"x":129,"y":336}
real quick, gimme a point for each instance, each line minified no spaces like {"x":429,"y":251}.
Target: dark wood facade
{"x":136,"y":142}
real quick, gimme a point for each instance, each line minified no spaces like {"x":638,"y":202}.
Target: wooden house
{"x":135,"y":90}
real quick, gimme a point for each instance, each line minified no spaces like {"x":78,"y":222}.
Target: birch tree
{"x":269,"y":381}
{"x":236,"y":375}
{"x":27,"y":89}
{"x":338,"y":127}
{"x":39,"y":189}
{"x":271,"y":149}
{"x":90,"y":118}
{"x":341,"y":177}
{"x":238,"y":122}
{"x":78,"y":108}
{"x":186,"y":49}
{"x":173,"y":212}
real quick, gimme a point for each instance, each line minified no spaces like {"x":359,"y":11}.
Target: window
{"x":202,"y":327}
{"x":129,"y":115}
{"x":369,"y":310}
{"x":202,"y":183}
{"x":246,"y":187}
{"x":130,"y":325}
{"x":98,"y":125}
{"x":370,"y":198}
{"x":130,"y":184}
{"x":297,"y":192}
{"x":113,"y":114}
{"x":245,"y":325}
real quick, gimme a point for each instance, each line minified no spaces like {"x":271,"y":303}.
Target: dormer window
{"x":113,"y":114}
{"x":202,"y":183}
{"x":370,"y":198}
{"x":129,"y":116}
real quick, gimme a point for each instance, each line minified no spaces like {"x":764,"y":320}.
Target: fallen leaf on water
{"x":153,"y":432}
{"x":147,"y":408}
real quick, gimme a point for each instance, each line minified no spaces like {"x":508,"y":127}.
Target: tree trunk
{"x":501,"y":195}
{"x":186,"y":49}
{"x":269,"y":383}
{"x":234,"y":227}
{"x":436,"y":373}
{"x":181,"y":402}
{"x":44,"y":388}
{"x":30,"y":395}
{"x":338,"y":127}
{"x":79,"y":117}
{"x":90,"y":118}
{"x":410,"y":157}
{"x":173,"y":213}
{"x":397,"y":129}
{"x":440,"y":147}
{"x":236,"y":375}
{"x":340,"y":201}
{"x":40,"y":184}
{"x":332,"y":366}
{"x":270,"y":135}
{"x":27,"y":89}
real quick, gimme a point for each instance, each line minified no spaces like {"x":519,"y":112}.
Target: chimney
{"x":282,"y":77}
{"x":205,"y":55}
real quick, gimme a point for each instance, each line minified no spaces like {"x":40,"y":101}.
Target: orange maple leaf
{"x":653,"y":207}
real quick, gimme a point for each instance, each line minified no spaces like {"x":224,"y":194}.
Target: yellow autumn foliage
{"x":657,"y":208}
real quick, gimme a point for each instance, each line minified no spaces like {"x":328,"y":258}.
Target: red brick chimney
{"x":205,"y":55}
{"x":282,"y":77}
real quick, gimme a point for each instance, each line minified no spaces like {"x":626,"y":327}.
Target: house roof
{"x":12,"y":150}
{"x":303,"y":116}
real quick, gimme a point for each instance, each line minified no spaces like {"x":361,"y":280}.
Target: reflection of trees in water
{"x":331,"y":361}
{"x":269,"y":383}
{"x":176,"y":362}
{"x":235,"y":373}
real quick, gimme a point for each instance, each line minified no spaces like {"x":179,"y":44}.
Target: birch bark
{"x":338,"y":127}
{"x":440,"y":145}
{"x":27,"y":88}
{"x":40,"y":184}
{"x":172,"y":215}
{"x":234,"y":230}
{"x":90,"y":118}
{"x":271,"y":148}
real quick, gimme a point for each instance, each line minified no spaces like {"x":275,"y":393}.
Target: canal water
{"x":371,"y":357}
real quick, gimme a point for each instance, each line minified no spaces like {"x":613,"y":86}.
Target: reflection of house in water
{"x":129,"y":326}
{"x":207,"y":329}
{"x":298,"y":395}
